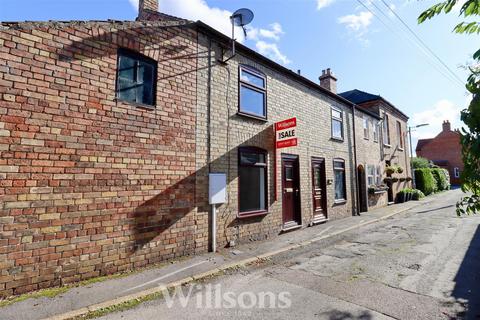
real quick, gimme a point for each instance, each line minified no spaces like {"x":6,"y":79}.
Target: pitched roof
{"x":421,"y":143}
{"x":358,"y":97}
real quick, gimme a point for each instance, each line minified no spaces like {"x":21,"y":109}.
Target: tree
{"x":419,"y":162}
{"x":470,"y":136}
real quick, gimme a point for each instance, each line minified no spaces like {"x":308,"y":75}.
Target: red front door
{"x":319,"y":187}
{"x":290,"y":191}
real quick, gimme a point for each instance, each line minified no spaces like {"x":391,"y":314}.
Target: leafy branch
{"x":470,"y":136}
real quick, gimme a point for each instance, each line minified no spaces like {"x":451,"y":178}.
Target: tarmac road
{"x":423,"y":264}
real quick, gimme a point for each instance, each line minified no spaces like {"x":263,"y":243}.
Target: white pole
{"x":214,"y":227}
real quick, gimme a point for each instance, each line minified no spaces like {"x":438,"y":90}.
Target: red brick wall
{"x":445,"y":146}
{"x":90,"y":185}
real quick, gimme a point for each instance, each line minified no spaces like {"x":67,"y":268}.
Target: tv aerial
{"x":240,"y":18}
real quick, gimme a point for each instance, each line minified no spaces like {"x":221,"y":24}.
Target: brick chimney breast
{"x":151,"y":5}
{"x":446,"y":126}
{"x":328,"y":80}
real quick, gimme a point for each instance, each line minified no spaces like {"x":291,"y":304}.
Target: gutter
{"x":226,"y":41}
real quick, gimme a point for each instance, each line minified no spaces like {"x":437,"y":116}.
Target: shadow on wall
{"x":467,"y":280}
{"x":152,"y":220}
{"x":154,"y":217}
{"x":343,"y":315}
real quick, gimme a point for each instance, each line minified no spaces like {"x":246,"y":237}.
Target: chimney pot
{"x":328,"y":80}
{"x":446,"y":126}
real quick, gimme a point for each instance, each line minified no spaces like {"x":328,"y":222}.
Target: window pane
{"x":318,"y":177}
{"x":379,"y":176}
{"x":251,"y":78}
{"x":127,"y":90}
{"x":338,"y":165}
{"x":339,"y":185}
{"x":126,"y":68}
{"x":337,"y":128}
{"x":252,"y":101}
{"x":251,"y":158}
{"x":288,"y":173}
{"x":146,"y":76}
{"x":336,"y":114}
{"x":252,"y":189}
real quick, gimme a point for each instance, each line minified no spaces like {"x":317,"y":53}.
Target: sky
{"x":363,"y":42}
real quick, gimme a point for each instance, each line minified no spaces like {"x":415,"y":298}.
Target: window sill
{"x":340,"y":201}
{"x":251,"y":116}
{"x":336,"y":139}
{"x":366,"y":138}
{"x":387,"y":145}
{"x":243,"y":215}
{"x":136,"y":104}
{"x":400,"y":149}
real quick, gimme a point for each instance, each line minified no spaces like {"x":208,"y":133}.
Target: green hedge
{"x":417,"y":195}
{"x":441,"y":179}
{"x":425,"y":181}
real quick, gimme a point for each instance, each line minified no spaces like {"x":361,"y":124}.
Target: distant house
{"x":380,"y":142}
{"x":444,"y":150}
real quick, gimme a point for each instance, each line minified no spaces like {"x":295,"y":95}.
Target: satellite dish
{"x":242,"y":17}
{"x":239,"y":18}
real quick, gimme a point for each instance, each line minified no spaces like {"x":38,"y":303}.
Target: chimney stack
{"x":328,"y":80}
{"x":446,"y":126}
{"x":147,"y":5}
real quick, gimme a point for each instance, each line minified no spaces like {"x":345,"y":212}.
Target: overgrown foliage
{"x":425,"y":181}
{"x":417,"y":195}
{"x":470,"y":136}
{"x":441,"y":179}
{"x":419,"y":162}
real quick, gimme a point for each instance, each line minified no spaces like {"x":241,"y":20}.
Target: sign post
{"x":285,"y":136}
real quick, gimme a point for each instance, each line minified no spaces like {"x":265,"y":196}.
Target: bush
{"x":447,"y":178}
{"x":425,"y":181}
{"x":440,"y":179}
{"x":417,"y":195}
{"x":419,"y":162}
{"x":401,"y":196}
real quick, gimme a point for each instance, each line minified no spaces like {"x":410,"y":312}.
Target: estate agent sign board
{"x":286,"y":133}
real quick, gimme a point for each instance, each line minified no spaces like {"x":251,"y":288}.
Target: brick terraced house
{"x":109,"y":131}
{"x":387,"y":131}
{"x":444,"y":150}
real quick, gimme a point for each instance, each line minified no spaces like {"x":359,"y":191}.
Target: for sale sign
{"x":286,"y":133}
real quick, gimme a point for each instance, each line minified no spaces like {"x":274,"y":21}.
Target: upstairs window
{"x":252,"y":172}
{"x":366,"y":130}
{"x":337,"y":124}
{"x":399,"y":134}
{"x":340,"y":184}
{"x":136,"y":78}
{"x":386,"y":130}
{"x":252,"y":93}
{"x":375,"y":130}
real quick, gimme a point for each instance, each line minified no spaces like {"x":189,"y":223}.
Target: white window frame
{"x":375,"y":130}
{"x":366,"y":128}
{"x":339,"y":119}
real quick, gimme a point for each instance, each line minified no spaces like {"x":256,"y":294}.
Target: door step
{"x":319,"y":219}
{"x":291,"y":225}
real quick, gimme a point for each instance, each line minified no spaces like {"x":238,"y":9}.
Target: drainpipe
{"x":209,"y":102}
{"x":209,"y":143}
{"x":356,"y":203}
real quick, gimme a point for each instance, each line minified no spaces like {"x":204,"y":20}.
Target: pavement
{"x":375,"y":269}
